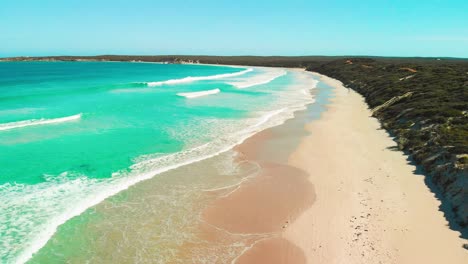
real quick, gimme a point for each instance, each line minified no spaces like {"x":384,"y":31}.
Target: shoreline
{"x":267,"y":203}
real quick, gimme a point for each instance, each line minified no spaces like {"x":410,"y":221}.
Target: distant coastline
{"x":268,"y":61}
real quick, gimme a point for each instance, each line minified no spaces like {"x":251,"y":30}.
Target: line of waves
{"x":199,"y":94}
{"x":36,"y":122}
{"x":258,"y":80}
{"x":47,"y":205}
{"x":199,"y":78}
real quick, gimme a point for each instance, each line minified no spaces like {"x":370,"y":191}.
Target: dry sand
{"x":371,"y":206}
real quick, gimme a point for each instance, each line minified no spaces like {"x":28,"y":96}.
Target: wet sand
{"x":266,"y":203}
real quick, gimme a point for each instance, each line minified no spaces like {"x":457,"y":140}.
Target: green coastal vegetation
{"x":421,"y":102}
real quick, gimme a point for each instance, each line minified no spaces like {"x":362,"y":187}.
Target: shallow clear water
{"x":75,"y":133}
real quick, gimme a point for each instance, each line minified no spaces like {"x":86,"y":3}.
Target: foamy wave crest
{"x":199,"y":94}
{"x":199,"y":78}
{"x":36,"y":122}
{"x":259,"y":79}
{"x":38,"y":210}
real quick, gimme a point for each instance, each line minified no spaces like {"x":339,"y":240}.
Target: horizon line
{"x":260,"y":56}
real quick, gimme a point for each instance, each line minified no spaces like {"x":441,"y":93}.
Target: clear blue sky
{"x":236,"y":27}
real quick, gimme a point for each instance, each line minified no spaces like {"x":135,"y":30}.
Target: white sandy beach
{"x":370,"y":205}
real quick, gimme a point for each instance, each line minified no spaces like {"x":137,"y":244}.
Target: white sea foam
{"x":36,"y":122}
{"x":199,"y":94}
{"x":199,"y":78}
{"x":260,"y":79}
{"x":46,"y":206}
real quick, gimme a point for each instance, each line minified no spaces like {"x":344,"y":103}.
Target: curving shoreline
{"x":262,"y":207}
{"x":330,"y":191}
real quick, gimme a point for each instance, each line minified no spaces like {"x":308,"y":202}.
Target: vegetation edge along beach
{"x":422,"y":102}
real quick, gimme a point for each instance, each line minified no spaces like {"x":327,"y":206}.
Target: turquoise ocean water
{"x":75,"y":133}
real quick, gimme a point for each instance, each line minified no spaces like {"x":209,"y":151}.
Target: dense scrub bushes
{"x":431,"y":124}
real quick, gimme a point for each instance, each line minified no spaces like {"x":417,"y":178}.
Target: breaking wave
{"x":199,"y":94}
{"x":199,"y":78}
{"x":258,"y":80}
{"x":36,"y":122}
